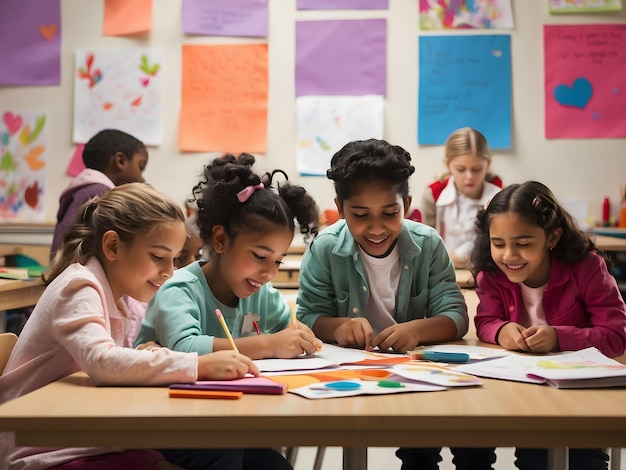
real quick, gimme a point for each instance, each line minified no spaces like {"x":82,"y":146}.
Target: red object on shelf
{"x":606,"y":210}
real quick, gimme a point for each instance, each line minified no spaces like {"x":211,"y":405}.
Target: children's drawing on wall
{"x":23,"y":161}
{"x":118,"y":88}
{"x":584,"y":6}
{"x":30,"y":42}
{"x":326,"y":123}
{"x":585,"y":81}
{"x":464,"y":81}
{"x":465,"y":14}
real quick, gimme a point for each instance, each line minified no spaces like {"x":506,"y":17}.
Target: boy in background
{"x":111,"y":158}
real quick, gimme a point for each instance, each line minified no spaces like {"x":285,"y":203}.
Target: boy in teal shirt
{"x":379,"y":280}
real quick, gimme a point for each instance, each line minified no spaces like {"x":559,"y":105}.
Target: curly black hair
{"x":218,"y":203}
{"x":364,"y":161}
{"x":538,"y":206}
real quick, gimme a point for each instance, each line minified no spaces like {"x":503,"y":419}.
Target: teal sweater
{"x":333,"y":280}
{"x":181,"y":316}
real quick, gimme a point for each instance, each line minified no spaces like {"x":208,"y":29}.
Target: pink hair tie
{"x":246,"y":192}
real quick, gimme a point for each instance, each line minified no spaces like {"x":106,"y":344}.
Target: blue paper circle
{"x":343,"y":385}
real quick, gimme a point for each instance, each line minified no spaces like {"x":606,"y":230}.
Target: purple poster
{"x":225,"y":17}
{"x":343,"y":4}
{"x":341,"y":57}
{"x":30,"y":42}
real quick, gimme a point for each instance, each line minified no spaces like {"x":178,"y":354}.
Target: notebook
{"x":257,"y":385}
{"x":587,"y":368}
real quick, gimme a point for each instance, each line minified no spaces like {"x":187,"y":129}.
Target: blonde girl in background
{"x":450,"y":203}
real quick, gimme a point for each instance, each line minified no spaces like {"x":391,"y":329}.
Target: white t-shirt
{"x":383,"y":276}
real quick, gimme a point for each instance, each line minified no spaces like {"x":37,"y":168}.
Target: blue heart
{"x":577,"y":95}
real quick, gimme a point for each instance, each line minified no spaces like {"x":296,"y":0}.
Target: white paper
{"x":118,"y":88}
{"x":330,"y":356}
{"x":319,"y":390}
{"x":577,"y":365}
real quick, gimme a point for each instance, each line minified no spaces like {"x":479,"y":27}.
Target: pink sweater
{"x":78,"y":325}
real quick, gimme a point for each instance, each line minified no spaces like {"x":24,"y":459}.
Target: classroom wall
{"x":576,"y":169}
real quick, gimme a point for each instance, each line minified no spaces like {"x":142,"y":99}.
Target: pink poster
{"x":585,"y":81}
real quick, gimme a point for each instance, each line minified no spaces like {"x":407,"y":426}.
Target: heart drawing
{"x":48,"y":31}
{"x":577,"y":95}
{"x":12,"y":122}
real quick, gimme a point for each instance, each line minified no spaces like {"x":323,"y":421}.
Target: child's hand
{"x":150,"y":345}
{"x":400,"y":338}
{"x":541,"y":339}
{"x":225,"y":365}
{"x":510,"y":337}
{"x":292,"y":342}
{"x":355,"y":332}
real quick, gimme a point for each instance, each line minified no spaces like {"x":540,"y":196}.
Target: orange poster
{"x":224,"y":99}
{"x":123,"y":17}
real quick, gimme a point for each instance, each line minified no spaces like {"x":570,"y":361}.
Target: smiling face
{"x":140,"y":267}
{"x":469,"y":172}
{"x":521,"y":250}
{"x":242,"y":265}
{"x":374,"y":215}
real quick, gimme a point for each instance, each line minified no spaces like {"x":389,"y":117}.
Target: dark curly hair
{"x":538,"y":206}
{"x":364,"y":161}
{"x":218,"y":204}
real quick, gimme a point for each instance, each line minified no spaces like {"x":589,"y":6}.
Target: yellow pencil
{"x":220,"y":317}
{"x":293,"y":318}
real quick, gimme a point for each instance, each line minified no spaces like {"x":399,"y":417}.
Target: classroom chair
{"x":615,"y":458}
{"x":7,"y":341}
{"x":292,"y":452}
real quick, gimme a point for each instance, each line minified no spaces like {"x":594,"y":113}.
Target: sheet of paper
{"x":30,"y":42}
{"x":435,"y":375}
{"x":331,"y":356}
{"x":465,"y":81}
{"x":123,"y":17}
{"x":320,"y":390}
{"x":354,"y":50}
{"x":247,"y":18}
{"x":585,"y":364}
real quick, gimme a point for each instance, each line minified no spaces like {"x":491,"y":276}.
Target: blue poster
{"x":464,"y":81}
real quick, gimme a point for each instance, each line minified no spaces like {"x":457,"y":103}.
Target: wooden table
{"x":19,"y":293}
{"x":72,"y":412}
{"x":607,"y":243}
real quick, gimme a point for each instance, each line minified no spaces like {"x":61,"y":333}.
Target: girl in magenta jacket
{"x":544,"y":286}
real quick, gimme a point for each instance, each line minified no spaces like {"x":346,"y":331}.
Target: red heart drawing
{"x":12,"y":122}
{"x":48,"y":31}
{"x":145,"y":81}
{"x":31,"y":195}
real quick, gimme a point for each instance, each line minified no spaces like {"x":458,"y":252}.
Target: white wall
{"x":587,"y":169}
